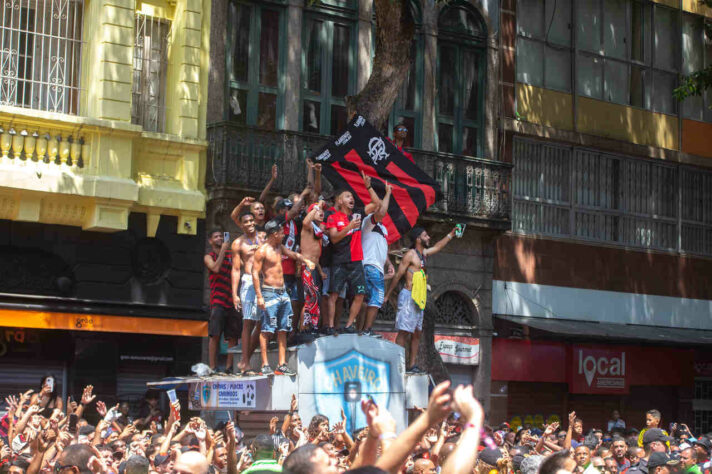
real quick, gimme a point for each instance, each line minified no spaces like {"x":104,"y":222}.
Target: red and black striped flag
{"x":362,"y":148}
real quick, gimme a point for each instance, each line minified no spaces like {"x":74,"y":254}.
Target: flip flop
{"x":250,"y":373}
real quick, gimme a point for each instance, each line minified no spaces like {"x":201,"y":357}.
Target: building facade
{"x":601,"y":290}
{"x":282,"y":70}
{"x":102,"y":163}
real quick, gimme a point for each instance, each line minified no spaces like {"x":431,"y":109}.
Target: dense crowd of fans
{"x":40,"y":433}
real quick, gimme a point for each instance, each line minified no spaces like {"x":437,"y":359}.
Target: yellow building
{"x":102,"y":166}
{"x":102,"y":110}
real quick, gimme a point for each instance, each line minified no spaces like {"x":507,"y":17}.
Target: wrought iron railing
{"x":475,"y":189}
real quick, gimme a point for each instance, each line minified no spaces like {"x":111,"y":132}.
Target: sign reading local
{"x":458,"y":350}
{"x":598,"y":370}
{"x":221,"y":395}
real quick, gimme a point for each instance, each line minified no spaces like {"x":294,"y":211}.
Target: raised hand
{"x":366,"y":179}
{"x":293,"y":404}
{"x":274,"y":171}
{"x":11,"y":403}
{"x":551,"y":428}
{"x":230,"y":432}
{"x":572,"y":418}
{"x":273,"y":425}
{"x":439,"y":403}
{"x":87,"y":396}
{"x":466,"y":403}
{"x":101,"y":408}
{"x":25,"y":397}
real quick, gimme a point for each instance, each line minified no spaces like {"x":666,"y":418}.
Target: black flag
{"x":362,"y":148}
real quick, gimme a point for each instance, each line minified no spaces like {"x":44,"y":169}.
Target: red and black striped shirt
{"x":220,"y":282}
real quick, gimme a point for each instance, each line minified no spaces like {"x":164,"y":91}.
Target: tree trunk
{"x":395,"y":28}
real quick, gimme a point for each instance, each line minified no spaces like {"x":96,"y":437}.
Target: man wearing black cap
{"x":703,"y":446}
{"x":409,"y":316}
{"x":271,"y":295}
{"x":659,"y":463}
{"x":654,"y":441}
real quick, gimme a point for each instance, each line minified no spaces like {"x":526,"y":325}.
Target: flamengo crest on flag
{"x":362,"y":148}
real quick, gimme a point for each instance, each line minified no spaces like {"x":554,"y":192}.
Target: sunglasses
{"x":401,"y":129}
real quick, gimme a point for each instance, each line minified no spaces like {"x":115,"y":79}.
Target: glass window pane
{"x":559,"y":31}
{"x":240,"y":39}
{"x":269,"y":48}
{"x":640,"y":87}
{"x":589,"y":76}
{"x":640,"y":32}
{"x":665,"y":38}
{"x":457,"y":19}
{"x":588,"y":25}
{"x":530,"y":62}
{"x":338,"y":119}
{"x":530,"y":19}
{"x":615,"y":86}
{"x":470,"y":93}
{"x":267,"y":111}
{"x":692,"y":38}
{"x":469,"y":141}
{"x":662,"y":94}
{"x":614,"y":28}
{"x":445,"y":137}
{"x":238,"y":106}
{"x":406,"y":95}
{"x":311,"y":116}
{"x":340,"y":64}
{"x":558,"y":69}
{"x":446,"y":82}
{"x":313,"y":44}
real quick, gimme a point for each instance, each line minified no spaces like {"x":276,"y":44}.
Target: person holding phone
{"x":47,"y":397}
{"x":224,"y":318}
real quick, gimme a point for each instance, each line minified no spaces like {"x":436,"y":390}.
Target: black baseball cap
{"x":657,"y":459}
{"x":272,"y":226}
{"x":655,"y":434}
{"x":283,"y":204}
{"x":704,"y":442}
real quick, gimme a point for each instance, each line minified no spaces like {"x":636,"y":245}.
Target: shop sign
{"x":458,"y":350}
{"x":221,"y":395}
{"x":598,"y":370}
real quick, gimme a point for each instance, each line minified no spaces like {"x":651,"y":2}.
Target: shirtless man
{"x":312,"y":239}
{"x":243,"y":251}
{"x":409,"y":317}
{"x":271,"y":296}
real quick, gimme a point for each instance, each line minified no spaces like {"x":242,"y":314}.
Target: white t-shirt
{"x":374,"y":240}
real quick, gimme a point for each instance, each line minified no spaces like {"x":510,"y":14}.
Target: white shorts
{"x":409,"y":317}
{"x":247,"y":297}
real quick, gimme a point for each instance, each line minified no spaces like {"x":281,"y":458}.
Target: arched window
{"x":461,"y":80}
{"x":328,"y":65}
{"x":454,"y":309}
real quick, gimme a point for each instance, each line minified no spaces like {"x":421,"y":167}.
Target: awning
{"x":614,"y":331}
{"x":102,"y":323}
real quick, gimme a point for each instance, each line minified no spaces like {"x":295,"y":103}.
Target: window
{"x":328,"y":72}
{"x":407,"y":108}
{"x":627,"y":53}
{"x":460,"y":80}
{"x":585,"y":194}
{"x":255,"y":65}
{"x":696,"y":55}
{"x":40,"y":54}
{"x":544,"y":43}
{"x":149,"y":72}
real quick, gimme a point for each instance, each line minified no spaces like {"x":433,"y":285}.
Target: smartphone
{"x":73,"y":418}
{"x":356,"y":215}
{"x":459,"y":230}
{"x":50,"y":383}
{"x":226,"y":236}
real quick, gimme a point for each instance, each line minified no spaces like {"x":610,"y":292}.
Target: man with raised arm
{"x":409,"y":315}
{"x":312,"y":239}
{"x":271,"y":295}
{"x":243,"y":290}
{"x":344,"y":228}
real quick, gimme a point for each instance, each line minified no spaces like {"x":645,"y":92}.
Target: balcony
{"x":476,"y":191}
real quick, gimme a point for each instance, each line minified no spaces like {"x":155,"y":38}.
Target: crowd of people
{"x":295,"y":263}
{"x":41,"y":433}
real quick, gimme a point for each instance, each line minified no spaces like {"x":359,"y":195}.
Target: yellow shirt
{"x":419,"y":293}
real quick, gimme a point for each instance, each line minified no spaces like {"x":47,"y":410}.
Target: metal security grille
{"x":586,"y":194}
{"x":40,"y":54}
{"x":149,"y":72}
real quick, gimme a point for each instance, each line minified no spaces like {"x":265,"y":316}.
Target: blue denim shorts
{"x":375,"y":286}
{"x":277,"y":315}
{"x":294,"y":287}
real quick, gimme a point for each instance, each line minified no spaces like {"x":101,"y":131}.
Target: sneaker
{"x":229,"y":371}
{"x":328,"y":331}
{"x":349,"y":330}
{"x":366,"y":332}
{"x":415,"y":370}
{"x":266,"y":370}
{"x":284,"y":370}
